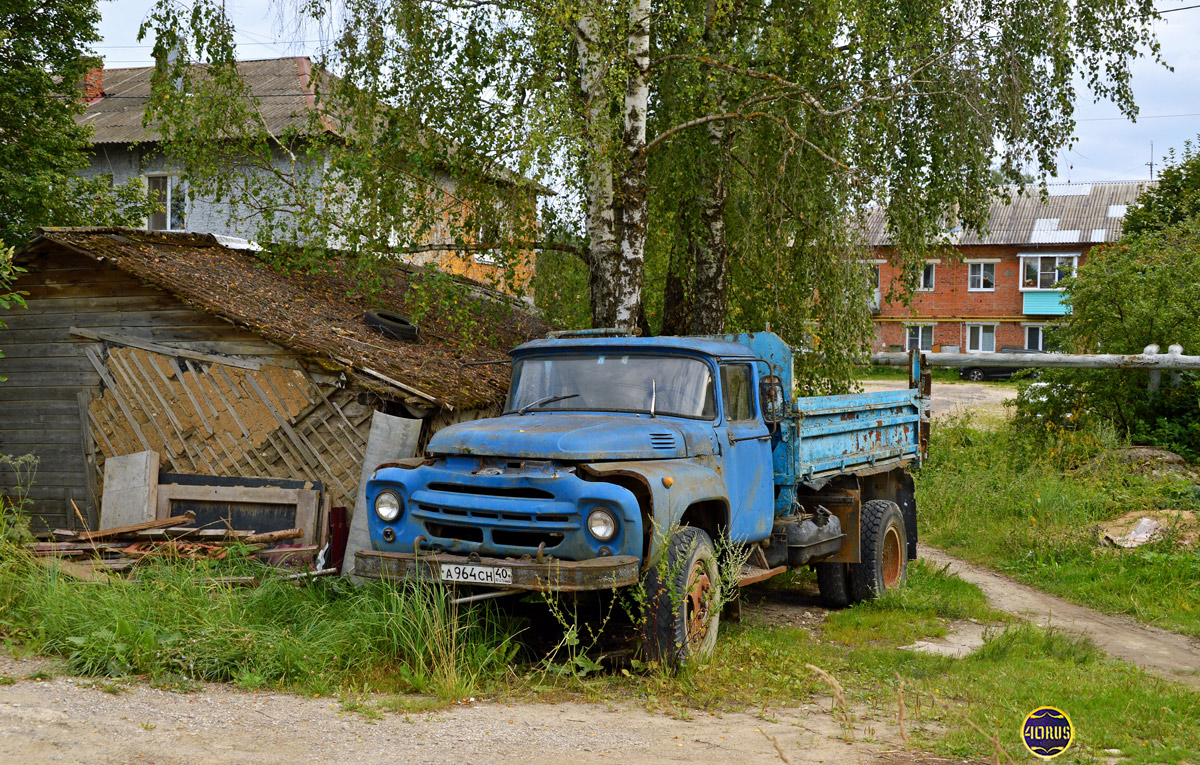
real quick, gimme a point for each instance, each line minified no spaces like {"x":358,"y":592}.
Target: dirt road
{"x":1168,"y":653}
{"x":67,"y":720}
{"x":981,"y":399}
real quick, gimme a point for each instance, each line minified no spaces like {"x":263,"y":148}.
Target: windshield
{"x":676,"y":385}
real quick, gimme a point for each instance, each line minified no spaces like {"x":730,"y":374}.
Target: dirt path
{"x":66,"y":720}
{"x":1167,"y":653}
{"x":981,"y":399}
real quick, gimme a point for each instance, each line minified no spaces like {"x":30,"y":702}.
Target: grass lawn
{"x":1033,"y":511}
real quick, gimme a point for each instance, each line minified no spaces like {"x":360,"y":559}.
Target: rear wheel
{"x":833,"y":580}
{"x":683,"y":608}
{"x":884,"y":551}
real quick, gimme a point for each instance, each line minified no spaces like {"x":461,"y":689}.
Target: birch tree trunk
{"x":603,"y":250}
{"x":710,"y":290}
{"x":627,"y":283}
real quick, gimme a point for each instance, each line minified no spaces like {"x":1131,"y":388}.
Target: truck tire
{"x":884,"y":565}
{"x":833,"y":580}
{"x":682,"y":611}
{"x":392,"y":324}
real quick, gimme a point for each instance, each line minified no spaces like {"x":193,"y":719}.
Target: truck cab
{"x":617,"y":459}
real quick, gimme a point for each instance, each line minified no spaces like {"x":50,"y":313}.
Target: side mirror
{"x":772,"y":398}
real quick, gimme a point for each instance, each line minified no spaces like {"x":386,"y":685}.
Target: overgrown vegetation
{"x":1032,"y":508}
{"x":1139,"y":291}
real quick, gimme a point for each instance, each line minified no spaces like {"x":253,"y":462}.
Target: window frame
{"x":751,"y":398}
{"x":981,"y":326}
{"x":908,"y":329}
{"x":1024,"y":258}
{"x":983,"y":267}
{"x":930,"y":267}
{"x":1041,"y":329}
{"x":171,"y":186}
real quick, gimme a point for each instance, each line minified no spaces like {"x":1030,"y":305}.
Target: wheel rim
{"x":698,"y":605}
{"x":892,"y":558}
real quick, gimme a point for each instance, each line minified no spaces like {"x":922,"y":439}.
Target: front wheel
{"x":884,"y":551}
{"x":683,"y":608}
{"x":975,"y":375}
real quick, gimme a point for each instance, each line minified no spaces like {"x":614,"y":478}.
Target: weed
{"x":40,"y":674}
{"x":8,"y":680}
{"x":1032,"y":510}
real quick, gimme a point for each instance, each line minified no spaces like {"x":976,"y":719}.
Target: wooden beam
{"x":112,"y":385}
{"x":166,"y":350}
{"x":179,"y":520}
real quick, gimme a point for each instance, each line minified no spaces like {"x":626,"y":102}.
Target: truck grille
{"x":499,"y":527}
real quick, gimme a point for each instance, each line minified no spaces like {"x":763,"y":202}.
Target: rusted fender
{"x":691,"y":480}
{"x":552,"y":575}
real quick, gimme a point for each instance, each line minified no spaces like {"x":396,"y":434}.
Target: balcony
{"x":1044,"y":303}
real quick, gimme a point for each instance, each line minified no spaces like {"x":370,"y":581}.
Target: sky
{"x":1108,"y":147}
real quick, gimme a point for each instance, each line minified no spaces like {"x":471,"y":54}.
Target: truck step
{"x":752,"y":574}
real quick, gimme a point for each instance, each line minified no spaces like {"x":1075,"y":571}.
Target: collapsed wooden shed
{"x":191,"y":346}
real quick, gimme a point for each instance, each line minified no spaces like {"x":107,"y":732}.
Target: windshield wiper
{"x":546,"y":400}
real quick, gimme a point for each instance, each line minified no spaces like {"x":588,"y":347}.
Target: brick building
{"x":1000,"y":288}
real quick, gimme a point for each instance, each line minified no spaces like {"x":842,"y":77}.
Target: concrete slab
{"x":390,"y":438}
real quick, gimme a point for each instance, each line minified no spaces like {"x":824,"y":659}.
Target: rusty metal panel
{"x":562,"y":576}
{"x":845,"y":505}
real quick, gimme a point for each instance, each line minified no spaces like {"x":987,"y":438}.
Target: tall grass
{"x":1033,"y":509}
{"x":174,"y":624}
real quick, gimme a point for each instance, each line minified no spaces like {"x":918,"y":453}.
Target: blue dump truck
{"x":623,"y":461}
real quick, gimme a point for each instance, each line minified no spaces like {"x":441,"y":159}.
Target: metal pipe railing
{"x":1150,"y":359}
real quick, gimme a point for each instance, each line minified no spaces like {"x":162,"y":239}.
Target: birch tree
{"x":724,"y":152}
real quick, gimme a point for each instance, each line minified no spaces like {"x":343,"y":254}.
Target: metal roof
{"x":280,"y":84}
{"x":708,"y":346}
{"x":1071,"y":213}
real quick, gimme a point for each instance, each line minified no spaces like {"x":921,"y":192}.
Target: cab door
{"x":746,"y":455}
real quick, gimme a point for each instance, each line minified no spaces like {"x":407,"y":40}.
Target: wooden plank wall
{"x":54,"y":386}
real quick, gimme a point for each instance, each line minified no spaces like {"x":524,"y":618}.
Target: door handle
{"x":763,"y":437}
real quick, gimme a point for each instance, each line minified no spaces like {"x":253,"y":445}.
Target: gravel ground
{"x":984,"y":400}
{"x":66,"y":719}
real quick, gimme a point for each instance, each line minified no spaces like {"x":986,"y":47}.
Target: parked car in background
{"x":979,"y":374}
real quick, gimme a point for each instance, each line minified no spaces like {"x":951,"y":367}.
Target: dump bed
{"x":859,"y":432}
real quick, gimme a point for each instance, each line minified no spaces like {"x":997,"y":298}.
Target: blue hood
{"x":577,"y":437}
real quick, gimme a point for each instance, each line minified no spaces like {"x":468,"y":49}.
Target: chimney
{"x":93,"y":85}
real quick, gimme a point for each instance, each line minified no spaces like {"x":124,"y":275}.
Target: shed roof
{"x":311,"y":314}
{"x":281,"y":85}
{"x":1071,"y":213}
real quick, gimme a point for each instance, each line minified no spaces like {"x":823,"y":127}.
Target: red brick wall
{"x":952,"y":306}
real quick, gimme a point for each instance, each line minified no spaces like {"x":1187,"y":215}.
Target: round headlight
{"x":602,"y":524}
{"x":387,"y":506}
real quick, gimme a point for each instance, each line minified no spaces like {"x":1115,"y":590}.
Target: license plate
{"x":452,"y":572}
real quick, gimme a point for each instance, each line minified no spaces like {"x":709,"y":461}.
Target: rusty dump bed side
{"x":859,"y":432}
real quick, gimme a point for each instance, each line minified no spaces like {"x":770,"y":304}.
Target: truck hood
{"x":577,"y":437}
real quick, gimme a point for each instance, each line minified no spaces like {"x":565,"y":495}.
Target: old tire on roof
{"x":391,"y":324}
{"x":833,"y":581}
{"x":884,"y":560}
{"x":683,"y":601}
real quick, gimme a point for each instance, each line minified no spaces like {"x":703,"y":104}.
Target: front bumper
{"x":605,"y":573}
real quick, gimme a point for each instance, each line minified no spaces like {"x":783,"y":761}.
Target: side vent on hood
{"x":662,"y":440}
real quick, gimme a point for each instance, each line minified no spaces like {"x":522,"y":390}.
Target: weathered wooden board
{"x":130,"y":489}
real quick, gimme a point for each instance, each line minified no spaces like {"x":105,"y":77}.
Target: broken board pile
{"x":93,"y":555}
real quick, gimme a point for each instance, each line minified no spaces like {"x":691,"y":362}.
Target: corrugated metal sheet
{"x":1072,"y":213}
{"x":280,"y":84}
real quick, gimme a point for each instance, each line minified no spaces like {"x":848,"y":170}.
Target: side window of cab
{"x":737,"y":396}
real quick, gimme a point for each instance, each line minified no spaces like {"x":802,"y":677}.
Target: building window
{"x":169,"y":194}
{"x":981,"y":338}
{"x":927,"y":277}
{"x":1035,"y":338}
{"x":1044,"y":272}
{"x":981,"y":277}
{"x":873,"y":283}
{"x":920,"y":337}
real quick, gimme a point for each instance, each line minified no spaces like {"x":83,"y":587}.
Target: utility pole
{"x":1151,"y":162}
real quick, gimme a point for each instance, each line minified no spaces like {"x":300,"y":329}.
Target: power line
{"x":1140,"y":117}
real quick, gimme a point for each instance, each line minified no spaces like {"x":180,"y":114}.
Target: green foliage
{"x":1032,"y":507}
{"x":9,"y":298}
{"x":44,"y":55}
{"x":1135,"y":292}
{"x":1173,"y":199}
{"x":175,"y":625}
